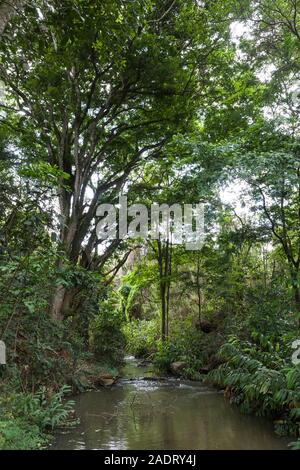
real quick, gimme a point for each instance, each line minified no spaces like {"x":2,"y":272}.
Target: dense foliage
{"x":170,"y":102}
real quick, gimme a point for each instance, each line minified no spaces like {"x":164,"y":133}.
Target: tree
{"x":269,"y":154}
{"x":97,"y":88}
{"x":272,"y":174}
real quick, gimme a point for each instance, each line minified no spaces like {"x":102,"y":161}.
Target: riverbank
{"x":28,"y":420}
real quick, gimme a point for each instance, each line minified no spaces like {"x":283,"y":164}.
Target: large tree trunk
{"x":8,"y":8}
{"x":58,"y":303}
{"x":70,"y":246}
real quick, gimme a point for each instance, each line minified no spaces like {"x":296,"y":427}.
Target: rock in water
{"x":177,"y":367}
{"x":104,"y":380}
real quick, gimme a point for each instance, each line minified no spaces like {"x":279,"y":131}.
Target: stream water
{"x":162,"y":414}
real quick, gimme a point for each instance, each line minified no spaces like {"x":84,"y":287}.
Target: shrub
{"x":167,"y":353}
{"x":25,"y":418}
{"x":46,"y":412}
{"x":184,"y":344}
{"x":141,"y":337}
{"x":107,"y":340}
{"x":19,"y":435}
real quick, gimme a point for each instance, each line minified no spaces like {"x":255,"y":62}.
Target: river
{"x":165,"y":414}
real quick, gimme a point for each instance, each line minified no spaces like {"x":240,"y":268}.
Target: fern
{"x":256,"y":385}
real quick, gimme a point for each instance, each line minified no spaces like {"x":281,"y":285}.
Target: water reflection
{"x":142,"y":414}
